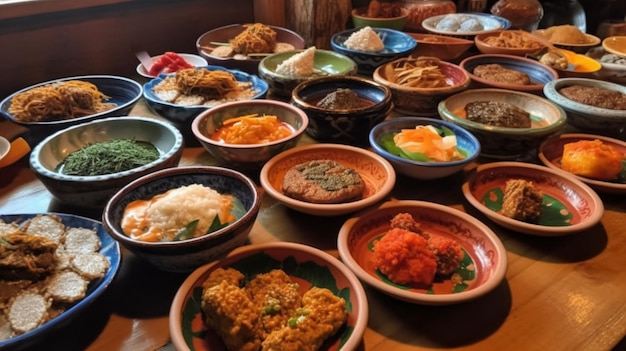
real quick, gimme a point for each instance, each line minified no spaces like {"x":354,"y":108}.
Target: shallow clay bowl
{"x":483,"y":44}
{"x":360,"y":19}
{"x":482,"y":268}
{"x":377,"y":173}
{"x":551,"y":152}
{"x":305,"y":265}
{"x":569,"y":205}
{"x":440,"y":46}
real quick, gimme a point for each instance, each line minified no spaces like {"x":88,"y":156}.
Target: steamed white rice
{"x":179,"y":207}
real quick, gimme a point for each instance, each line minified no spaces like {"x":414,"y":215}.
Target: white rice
{"x":180,"y":206}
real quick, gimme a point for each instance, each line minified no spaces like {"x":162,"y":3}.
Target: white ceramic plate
{"x":194,"y":60}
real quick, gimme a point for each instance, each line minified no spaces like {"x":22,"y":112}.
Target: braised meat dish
{"x":499,"y":114}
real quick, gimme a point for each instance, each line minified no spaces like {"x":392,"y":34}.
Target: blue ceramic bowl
{"x":185,"y":255}
{"x":248,"y":156}
{"x":94,"y":191}
{"x":501,"y":142}
{"x":109,"y":248}
{"x":326,"y":63}
{"x":538,"y":73}
{"x":344,"y":126}
{"x":182,"y":116}
{"x":122,"y":91}
{"x":397,"y":44}
{"x":587,"y":118}
{"x":424,"y":170}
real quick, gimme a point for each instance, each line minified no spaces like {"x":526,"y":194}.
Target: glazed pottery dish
{"x":440,"y":46}
{"x":242,"y":149}
{"x":465,"y":25}
{"x":169,"y":240}
{"x":480,"y":268}
{"x":61,"y":231}
{"x":342,"y":109}
{"x":191,"y":59}
{"x":569,"y":38}
{"x":394,"y":21}
{"x":531,"y":76}
{"x":613,"y":66}
{"x":325,"y":63}
{"x":509,"y":42}
{"x":396,"y":44}
{"x":567,"y":205}
{"x":579,"y":65}
{"x":75,"y":175}
{"x":426,"y":161}
{"x":498,"y":142}
{"x":316,"y":275}
{"x":615,"y":45}
{"x":215,"y":38}
{"x":590,"y":115}
{"x":377,"y":176}
{"x":117,"y":97}
{"x":551,"y":155}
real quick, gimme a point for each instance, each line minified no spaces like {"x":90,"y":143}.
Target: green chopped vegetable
{"x":187,"y":232}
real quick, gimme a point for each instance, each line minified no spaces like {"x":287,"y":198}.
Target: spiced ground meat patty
{"x":499,"y":114}
{"x":595,"y":96}
{"x":499,"y":74}
{"x":323,"y":181}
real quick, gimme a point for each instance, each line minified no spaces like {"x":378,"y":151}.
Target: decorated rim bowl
{"x":361,"y":19}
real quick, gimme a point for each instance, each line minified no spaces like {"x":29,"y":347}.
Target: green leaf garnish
{"x":187,"y":232}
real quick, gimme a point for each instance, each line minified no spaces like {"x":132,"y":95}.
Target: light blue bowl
{"x":180,"y":115}
{"x":397,"y":44}
{"x":424,"y":170}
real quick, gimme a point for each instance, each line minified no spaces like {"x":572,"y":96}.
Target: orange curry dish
{"x":252,"y":129}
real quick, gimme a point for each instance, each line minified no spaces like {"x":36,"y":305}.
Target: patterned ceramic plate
{"x":569,"y":205}
{"x":307,"y":266}
{"x":551,"y":151}
{"x":481,"y":269}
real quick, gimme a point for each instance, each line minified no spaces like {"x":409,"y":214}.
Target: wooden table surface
{"x":563,"y":293}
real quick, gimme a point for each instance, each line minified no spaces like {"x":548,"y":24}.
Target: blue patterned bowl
{"x":121,"y":91}
{"x":94,"y":191}
{"x":185,"y":255}
{"x":424,"y":170}
{"x":397,"y":44}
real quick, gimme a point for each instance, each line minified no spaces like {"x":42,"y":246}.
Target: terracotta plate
{"x":569,"y":205}
{"x":307,"y":266}
{"x":551,"y":151}
{"x":615,"y":45}
{"x":377,"y":173}
{"x":482,"y":268}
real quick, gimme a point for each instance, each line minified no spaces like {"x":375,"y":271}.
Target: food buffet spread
{"x":457,"y":187}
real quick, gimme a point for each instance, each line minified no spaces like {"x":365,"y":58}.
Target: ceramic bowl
{"x":587,"y":118}
{"x":185,"y":255}
{"x":569,"y":205}
{"x":580,"y":66}
{"x":538,"y":73}
{"x":94,"y":191}
{"x":615,"y":45}
{"x":194,"y":60}
{"x":418,"y":169}
{"x":501,"y":142}
{"x":206,"y":43}
{"x":248,"y":156}
{"x":305,"y":265}
{"x":483,"y":267}
{"x":111,"y":251}
{"x":397,"y":44}
{"x":327,"y":63}
{"x":440,"y":46}
{"x":377,"y":173}
{"x":464,"y":25}
{"x":343,"y":126}
{"x":421,"y":101}
{"x":613,"y":66}
{"x":182,"y":115}
{"x":121,"y":91}
{"x":509,"y":42}
{"x":551,"y":152}
{"x":360,"y":19}
{"x":592,"y":41}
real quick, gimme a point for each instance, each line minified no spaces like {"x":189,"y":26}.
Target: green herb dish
{"x":420,"y":165}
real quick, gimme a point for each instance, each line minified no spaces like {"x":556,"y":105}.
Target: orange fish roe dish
{"x":404,"y":257}
{"x":252,"y":129}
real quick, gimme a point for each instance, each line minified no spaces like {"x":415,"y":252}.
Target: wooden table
{"x":563,"y":293}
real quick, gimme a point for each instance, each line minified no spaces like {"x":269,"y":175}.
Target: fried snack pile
{"x":269,"y":313}
{"x":421,"y":72}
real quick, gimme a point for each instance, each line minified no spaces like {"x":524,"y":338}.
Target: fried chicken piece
{"x":407,"y":222}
